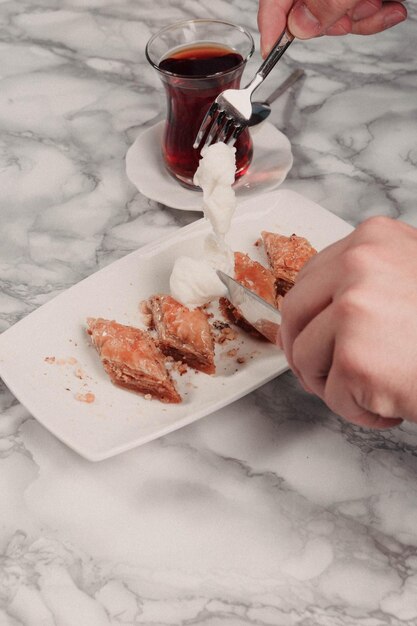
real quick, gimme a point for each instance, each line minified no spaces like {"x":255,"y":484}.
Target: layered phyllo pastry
{"x":286,"y":257}
{"x":132,"y":359}
{"x":257,"y":278}
{"x":183,"y":334}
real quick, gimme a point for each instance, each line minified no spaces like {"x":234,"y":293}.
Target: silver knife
{"x":257,"y":311}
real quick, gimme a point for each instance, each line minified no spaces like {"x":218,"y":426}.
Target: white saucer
{"x":272,"y":160}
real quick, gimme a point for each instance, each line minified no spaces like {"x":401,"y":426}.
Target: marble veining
{"x":273,"y":511}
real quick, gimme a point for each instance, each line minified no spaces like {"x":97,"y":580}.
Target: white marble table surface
{"x":272,"y":511}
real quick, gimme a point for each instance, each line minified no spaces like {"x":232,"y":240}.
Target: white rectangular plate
{"x":48,"y":363}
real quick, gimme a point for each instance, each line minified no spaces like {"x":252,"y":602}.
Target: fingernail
{"x":302,"y":23}
{"x":393,"y":18}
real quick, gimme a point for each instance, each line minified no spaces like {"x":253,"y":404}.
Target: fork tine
{"x":239,"y":128}
{"x":226,"y":129}
{"x":207,"y":119}
{"x":216,"y":128}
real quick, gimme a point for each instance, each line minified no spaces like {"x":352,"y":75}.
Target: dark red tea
{"x":193,"y":77}
{"x":201,"y":61}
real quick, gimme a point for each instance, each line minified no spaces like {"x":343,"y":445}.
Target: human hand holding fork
{"x":230,"y":113}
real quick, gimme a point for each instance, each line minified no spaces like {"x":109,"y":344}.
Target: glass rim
{"x":199,"y":21}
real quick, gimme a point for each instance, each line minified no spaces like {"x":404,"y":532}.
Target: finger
{"x":340,"y":399}
{"x":310,"y":18}
{"x":324,"y":258}
{"x":365,"y":8}
{"x":272,"y":19}
{"x":294,"y":324}
{"x":314,"y":289}
{"x":390,"y":14}
{"x":312,"y":352}
{"x":300,"y":306}
{"x":313,"y":355}
{"x":370,"y":420}
{"x":343,"y":26}
{"x":278,"y":339}
{"x":311,"y":294}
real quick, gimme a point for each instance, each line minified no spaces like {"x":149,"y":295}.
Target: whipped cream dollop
{"x":194,"y":282}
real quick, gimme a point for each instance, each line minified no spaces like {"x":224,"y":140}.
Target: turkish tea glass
{"x":196,"y":60}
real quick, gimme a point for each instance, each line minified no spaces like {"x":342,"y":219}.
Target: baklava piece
{"x":255,"y":277}
{"x":183,"y":333}
{"x":286,"y":257}
{"x":132,"y":359}
{"x":258,"y":279}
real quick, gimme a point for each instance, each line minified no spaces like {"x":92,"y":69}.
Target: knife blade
{"x":257,"y":311}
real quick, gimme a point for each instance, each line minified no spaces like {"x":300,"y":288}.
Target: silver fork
{"x":230,"y":112}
